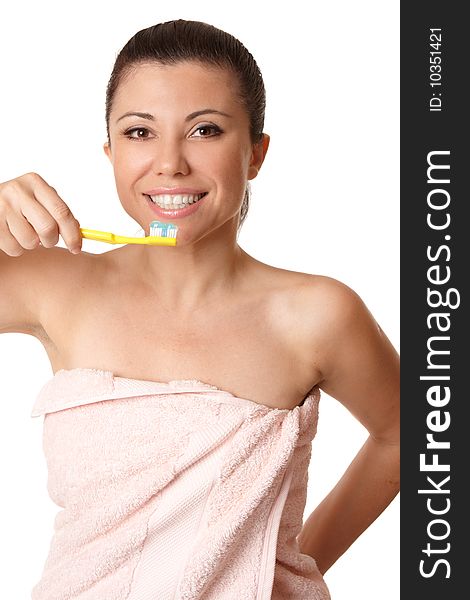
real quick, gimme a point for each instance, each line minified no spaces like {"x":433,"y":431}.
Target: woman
{"x":179,"y":421}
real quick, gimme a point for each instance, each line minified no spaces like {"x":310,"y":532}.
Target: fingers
{"x":32,"y":213}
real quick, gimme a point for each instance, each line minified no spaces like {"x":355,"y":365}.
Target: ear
{"x":257,"y":156}
{"x":107,"y":151}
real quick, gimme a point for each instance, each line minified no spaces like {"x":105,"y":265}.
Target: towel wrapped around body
{"x":175,"y":491}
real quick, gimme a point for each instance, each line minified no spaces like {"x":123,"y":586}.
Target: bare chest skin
{"x":244,"y":345}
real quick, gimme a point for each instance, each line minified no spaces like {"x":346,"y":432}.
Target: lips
{"x":173,"y":191}
{"x":173,"y":206}
{"x":175,"y":201}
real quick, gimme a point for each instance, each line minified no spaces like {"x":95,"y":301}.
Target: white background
{"x":331,"y":72}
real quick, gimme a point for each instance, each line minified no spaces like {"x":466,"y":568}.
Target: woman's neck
{"x":191,"y":276}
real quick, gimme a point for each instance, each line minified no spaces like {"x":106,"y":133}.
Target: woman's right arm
{"x":32,"y":215}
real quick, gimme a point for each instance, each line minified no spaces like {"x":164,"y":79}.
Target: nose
{"x":170,"y":158}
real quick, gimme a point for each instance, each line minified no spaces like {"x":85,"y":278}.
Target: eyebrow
{"x":193,"y":115}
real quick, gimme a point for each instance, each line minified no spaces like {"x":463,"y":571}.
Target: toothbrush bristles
{"x":159,"y":229}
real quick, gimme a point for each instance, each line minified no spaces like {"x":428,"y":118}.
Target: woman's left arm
{"x":360,"y":368}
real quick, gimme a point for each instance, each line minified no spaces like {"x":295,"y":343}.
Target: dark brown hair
{"x":177,"y":41}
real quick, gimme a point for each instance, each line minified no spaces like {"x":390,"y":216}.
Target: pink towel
{"x":174,"y":491}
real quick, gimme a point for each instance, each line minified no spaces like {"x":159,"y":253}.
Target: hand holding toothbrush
{"x":33,"y":214}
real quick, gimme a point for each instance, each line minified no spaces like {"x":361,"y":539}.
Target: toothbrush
{"x":161,"y":234}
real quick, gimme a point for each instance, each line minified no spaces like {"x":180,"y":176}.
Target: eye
{"x":137,"y":133}
{"x":206,"y":130}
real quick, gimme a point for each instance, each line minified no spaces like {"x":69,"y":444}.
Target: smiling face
{"x":177,"y":132}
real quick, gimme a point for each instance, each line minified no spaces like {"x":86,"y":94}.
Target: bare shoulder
{"x":332,"y":314}
{"x":321,"y":316}
{"x":340,"y":307}
{"x":336,"y":335}
{"x":36,"y":283}
{"x":318,"y":303}
{"x":331,"y":295}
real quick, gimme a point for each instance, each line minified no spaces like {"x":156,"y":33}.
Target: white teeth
{"x":176,"y":200}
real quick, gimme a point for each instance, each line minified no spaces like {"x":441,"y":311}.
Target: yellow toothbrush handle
{"x":100,"y":236}
{"x":112,"y":238}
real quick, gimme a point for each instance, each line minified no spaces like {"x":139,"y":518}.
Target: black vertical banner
{"x":435,"y":267}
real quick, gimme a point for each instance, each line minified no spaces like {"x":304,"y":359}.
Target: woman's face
{"x":177,"y":132}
